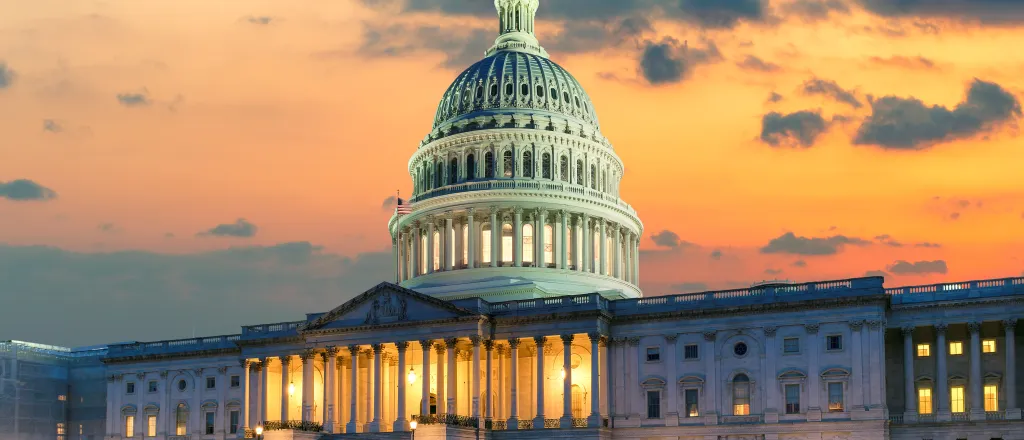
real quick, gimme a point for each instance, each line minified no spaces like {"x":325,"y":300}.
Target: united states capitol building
{"x":516,"y":313}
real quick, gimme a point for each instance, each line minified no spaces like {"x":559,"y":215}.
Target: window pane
{"x":435,"y":260}
{"x":956,"y":398}
{"x":151,"y":426}
{"x":924,"y":350}
{"x":991,"y":398}
{"x":549,"y":239}
{"x":691,"y":403}
{"x":988,"y":346}
{"x":210,"y":417}
{"x":506,"y":243}
{"x":835,"y":396}
{"x":507,"y":164}
{"x":791,"y":345}
{"x":956,"y":348}
{"x":234,"y":422}
{"x":129,"y":426}
{"x":485,"y":245}
{"x":653,"y":354}
{"x":741,"y":395}
{"x":653,"y":405}
{"x":792,"y":399}
{"x":690,"y":351}
{"x":527,"y":243}
{"x":924,"y":400}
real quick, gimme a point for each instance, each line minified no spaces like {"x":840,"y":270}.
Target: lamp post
{"x":259,"y":432}
{"x":412,"y":427}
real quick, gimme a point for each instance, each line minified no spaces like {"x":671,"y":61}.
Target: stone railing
{"x":268,"y":330}
{"x":294,"y":425}
{"x":579,"y":422}
{"x":188,"y":437}
{"x":172,"y":346}
{"x":926,"y":418}
{"x":498,"y":425}
{"x":526,"y":424}
{"x":895,"y":419}
{"x":589,"y":301}
{"x":995,"y":415}
{"x":525,"y":184}
{"x":753,"y":418}
{"x":954,"y":291}
{"x":449,"y":419}
{"x":552,"y":423}
{"x":961,"y":417}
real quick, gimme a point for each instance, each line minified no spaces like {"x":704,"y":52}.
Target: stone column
{"x":710,"y":409}
{"x":672,"y":385}
{"x":426,"y":345}
{"x":813,"y":374}
{"x":603,"y":246}
{"x":566,"y":421}
{"x":495,"y":236}
{"x":401,"y":421}
{"x":517,"y":237}
{"x":771,"y":412}
{"x":330,"y":385}
{"x":353,"y":425}
{"x":1012,"y":410}
{"x":635,"y":248}
{"x":500,"y":406}
{"x":475,"y":375}
{"x":430,"y":246}
{"x":308,"y":358}
{"x":460,"y":245}
{"x":538,"y":421}
{"x":577,"y":244}
{"x":449,"y":241}
{"x":617,"y":258}
{"x":542,"y":221}
{"x":857,"y":388}
{"x":595,"y":381}
{"x":876,"y":356}
{"x":285,"y":381}
{"x":375,"y":424}
{"x":588,"y":246}
{"x":910,"y":396}
{"x":563,"y":247}
{"x":942,"y":374}
{"x":608,"y":395}
{"x":450,"y":401}
{"x":244,"y":416}
{"x":264,"y":392}
{"x":977,"y":400}
{"x":513,"y":419}
{"x":488,"y":402}
{"x":471,"y":233}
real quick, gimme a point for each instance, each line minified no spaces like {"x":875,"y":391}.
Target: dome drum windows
{"x":453,"y":172}
{"x":540,"y":91}
{"x":528,"y":164}
{"x":563,"y":168}
{"x":579,"y":172}
{"x":470,"y":167}
{"x":489,"y":165}
{"x":545,"y":165}
{"x":507,"y":164}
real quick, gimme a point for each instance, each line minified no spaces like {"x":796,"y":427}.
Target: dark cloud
{"x":886,"y":239}
{"x":52,"y":126}
{"x":240,"y":228}
{"x":814,"y":10}
{"x":754,"y":63}
{"x":771,"y":271}
{"x":108,"y":227}
{"x":775,"y":97}
{"x":723,"y":13}
{"x":21,"y":190}
{"x":954,"y":216}
{"x":577,"y":36}
{"x":6,"y":76}
{"x":799,"y":263}
{"x":690,"y":287}
{"x":462,"y":47}
{"x":389,"y":203}
{"x":668,"y":62}
{"x":716,"y":254}
{"x":985,"y":11}
{"x":670,"y":240}
{"x":826,"y":87}
{"x":876,"y":273}
{"x":918,"y":268}
{"x":908,"y":124}
{"x":260,"y":20}
{"x":789,"y":243}
{"x":927,"y":245}
{"x":133,"y":99}
{"x":213,"y":293}
{"x":800,"y":128}
{"x":917,"y":62}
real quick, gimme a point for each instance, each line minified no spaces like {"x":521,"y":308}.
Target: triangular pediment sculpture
{"x":386,"y":304}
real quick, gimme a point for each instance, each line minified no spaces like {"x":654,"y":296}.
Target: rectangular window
{"x":129,"y":426}
{"x":653,"y":404}
{"x":653,"y":354}
{"x":793,"y":399}
{"x":956,"y":399}
{"x":956,"y":348}
{"x":485,"y":246}
{"x":988,"y":346}
{"x":236,"y":381}
{"x":924,"y":350}
{"x":690,"y":397}
{"x":151,"y":426}
{"x":211,"y":383}
{"x":152,"y":386}
{"x":835,"y":396}
{"x":210,"y":418}
{"x":62,"y":397}
{"x":129,"y":388}
{"x":690,"y":351}
{"x":991,"y":398}
{"x":234,"y":423}
{"x":834,"y":342}
{"x":924,"y":400}
{"x":791,"y":345}
{"x":60,"y":428}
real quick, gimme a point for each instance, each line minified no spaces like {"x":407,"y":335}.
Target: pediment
{"x":385,"y":304}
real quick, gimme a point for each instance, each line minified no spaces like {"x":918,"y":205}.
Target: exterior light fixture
{"x":411,"y":376}
{"x":259,"y":430}
{"x":291,"y":389}
{"x":412,"y":425}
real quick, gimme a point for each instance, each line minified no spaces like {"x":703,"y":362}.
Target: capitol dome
{"x":515,"y":189}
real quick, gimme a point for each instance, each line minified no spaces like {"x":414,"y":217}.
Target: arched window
{"x":549,"y":236}
{"x":604,"y":181}
{"x":453,"y":172}
{"x":465,"y":244}
{"x":506,"y":164}
{"x":429,"y":177}
{"x":554,"y":95}
{"x":181,"y":420}
{"x":435,"y":260}
{"x":565,"y":97}
{"x":424,"y":253}
{"x":563,"y":168}
{"x":528,"y":244}
{"x":494,"y":89}
{"x":593,"y":177}
{"x":528,"y":164}
{"x":506,"y":243}
{"x":439,"y":175}
{"x":579,"y":172}
{"x":577,"y":402}
{"x":489,"y":165}
{"x":470,"y":167}
{"x":741,"y":395}
{"x":485,"y":243}
{"x":545,"y":166}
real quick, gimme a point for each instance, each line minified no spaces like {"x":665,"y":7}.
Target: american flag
{"x":403,"y":207}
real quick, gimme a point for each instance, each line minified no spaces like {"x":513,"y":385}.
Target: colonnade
{"x":476,"y":390}
{"x":526,"y":238}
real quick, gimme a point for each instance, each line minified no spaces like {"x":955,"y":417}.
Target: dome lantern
{"x":515,"y":27}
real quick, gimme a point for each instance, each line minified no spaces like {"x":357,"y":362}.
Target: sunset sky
{"x":170,"y":167}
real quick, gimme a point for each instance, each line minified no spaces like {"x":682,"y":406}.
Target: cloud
{"x":670,"y":240}
{"x":927,"y":245}
{"x":771,"y":271}
{"x":723,"y":13}
{"x":52,"y":126}
{"x":886,"y":239}
{"x":668,"y":62}
{"x":240,"y":228}
{"x":954,"y":216}
{"x":579,"y":36}
{"x":775,"y":97}
{"x":689,"y":287}
{"x":917,"y":62}
{"x":918,"y":268}
{"x":815,"y":10}
{"x":21,"y":190}
{"x":462,"y":46}
{"x":260,"y":20}
{"x":826,"y":87}
{"x":876,"y":273}
{"x":109,"y":228}
{"x":716,"y":254}
{"x":799,"y":128}
{"x":799,"y":263}
{"x":6,"y":76}
{"x":754,"y":63}
{"x":213,"y":292}
{"x":133,"y":99}
{"x":389,"y":203}
{"x":789,"y":243}
{"x":996,"y":12}
{"x":908,"y":124}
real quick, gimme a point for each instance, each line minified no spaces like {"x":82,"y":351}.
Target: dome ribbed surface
{"x":510,"y":82}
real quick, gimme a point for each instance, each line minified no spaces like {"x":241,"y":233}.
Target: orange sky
{"x":296,"y":127}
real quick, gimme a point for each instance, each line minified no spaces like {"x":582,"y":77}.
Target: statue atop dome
{"x":515,"y":25}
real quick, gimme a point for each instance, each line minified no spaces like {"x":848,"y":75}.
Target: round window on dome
{"x":740,"y":349}
{"x":494,"y":89}
{"x":554,"y":93}
{"x":540,"y":91}
{"x":509,"y":89}
{"x":565,"y":97}
{"x":479,"y":92}
{"x":577,"y":101}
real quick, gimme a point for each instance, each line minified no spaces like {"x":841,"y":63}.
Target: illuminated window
{"x":151,"y":426}
{"x":506,"y":243}
{"x":956,"y":348}
{"x":549,"y":254}
{"x":485,"y":244}
{"x":956,"y":399}
{"x":181,"y":420}
{"x":61,"y":429}
{"x":465,"y":243}
{"x":435,"y":260}
{"x":741,"y":395}
{"x":924,"y":350}
{"x":835,"y":397}
{"x":129,"y":426}
{"x":991,"y":398}
{"x":691,"y":403}
{"x":528,"y":243}
{"x":988,"y":346}
{"x":62,"y":397}
{"x":924,"y":400}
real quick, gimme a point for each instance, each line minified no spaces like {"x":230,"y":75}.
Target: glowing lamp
{"x":259,"y":430}
{"x":291,"y":389}
{"x":412,"y":425}
{"x":411,"y":377}
{"x":563,"y":373}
